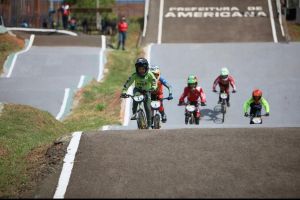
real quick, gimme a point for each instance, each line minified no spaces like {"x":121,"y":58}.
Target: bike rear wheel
{"x":141,"y":119}
{"x":156,"y":121}
{"x":192,"y":119}
{"x":223,"y":110}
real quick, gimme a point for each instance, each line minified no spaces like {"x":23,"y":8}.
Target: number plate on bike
{"x":223,"y":95}
{"x":138,"y":98}
{"x":190,"y":108}
{"x":155,"y":104}
{"x":256,"y":120}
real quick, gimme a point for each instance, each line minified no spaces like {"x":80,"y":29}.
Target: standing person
{"x":122,"y":27}
{"x":224,"y":80}
{"x":193,"y":93}
{"x":145,"y":83}
{"x":65,"y":11}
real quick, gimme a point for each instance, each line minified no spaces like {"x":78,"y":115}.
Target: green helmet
{"x":192,"y":80}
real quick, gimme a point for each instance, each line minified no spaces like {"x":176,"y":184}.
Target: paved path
{"x":41,"y":75}
{"x":185,"y":163}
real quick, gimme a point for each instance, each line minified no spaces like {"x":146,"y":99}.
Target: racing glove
{"x":203,"y":104}
{"x":123,"y":95}
{"x":170,"y":97}
{"x":246,"y":114}
{"x":267,"y":114}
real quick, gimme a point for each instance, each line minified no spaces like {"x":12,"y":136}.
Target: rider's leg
{"x":162,"y":110}
{"x":228,"y":96}
{"x":134,"y":106}
{"x":147,"y":107}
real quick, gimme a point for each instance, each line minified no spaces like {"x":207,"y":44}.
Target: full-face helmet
{"x":256,"y":95}
{"x":224,"y":73}
{"x":155,"y":70}
{"x":141,"y":63}
{"x":192,"y":81}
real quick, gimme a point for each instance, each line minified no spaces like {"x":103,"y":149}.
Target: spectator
{"x":122,"y":27}
{"x":73,"y":24}
{"x":65,"y":10}
{"x":85,"y":25}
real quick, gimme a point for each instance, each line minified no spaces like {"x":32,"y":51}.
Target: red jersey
{"x":224,"y":84}
{"x":122,"y":26}
{"x":193,"y":95}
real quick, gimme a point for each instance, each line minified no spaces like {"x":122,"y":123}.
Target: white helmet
{"x":224,"y":73}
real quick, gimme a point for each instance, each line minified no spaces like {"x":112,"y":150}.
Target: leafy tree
{"x":91,"y":3}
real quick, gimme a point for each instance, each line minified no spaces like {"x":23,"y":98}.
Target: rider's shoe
{"x":228,"y":104}
{"x":133,"y":117}
{"x":164,"y":118}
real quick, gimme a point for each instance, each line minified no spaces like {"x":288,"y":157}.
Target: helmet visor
{"x":192,"y":85}
{"x":141,"y":70}
{"x":224,"y":76}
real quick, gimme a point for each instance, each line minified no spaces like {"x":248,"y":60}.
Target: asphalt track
{"x":41,"y":75}
{"x":271,"y":67}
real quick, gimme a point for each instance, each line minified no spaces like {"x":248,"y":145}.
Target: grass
{"x":99,"y":103}
{"x":22,"y":130}
{"x":294,"y":31}
{"x":8,"y":45}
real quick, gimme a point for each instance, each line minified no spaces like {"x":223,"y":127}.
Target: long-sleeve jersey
{"x":193,"y":95}
{"x":263,"y":101}
{"x":160,"y":83}
{"x":224,"y":84}
{"x":146,"y":83}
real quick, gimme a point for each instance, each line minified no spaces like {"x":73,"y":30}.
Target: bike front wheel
{"x":156,"y":121}
{"x":141,"y":119}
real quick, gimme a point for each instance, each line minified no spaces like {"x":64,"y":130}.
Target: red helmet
{"x":257,"y":93}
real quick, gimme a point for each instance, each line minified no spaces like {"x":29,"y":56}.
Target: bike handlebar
{"x":263,"y":115}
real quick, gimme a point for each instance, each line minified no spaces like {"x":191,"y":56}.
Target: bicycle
{"x":140,"y":114}
{"x":155,"y":104}
{"x":190,"y":112}
{"x":223,"y":95}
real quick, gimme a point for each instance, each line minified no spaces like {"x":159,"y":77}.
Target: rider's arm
{"x":232,"y":82}
{"x":129,"y":82}
{"x":265,"y":104}
{"x":184,"y":94}
{"x":247,"y":104}
{"x":216,"y":82}
{"x":202,"y":95}
{"x":153,"y":81}
{"x":166,"y":84}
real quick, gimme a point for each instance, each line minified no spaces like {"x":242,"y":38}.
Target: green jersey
{"x":263,"y":101}
{"x":146,"y":83}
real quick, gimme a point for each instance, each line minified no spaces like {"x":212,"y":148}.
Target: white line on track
{"x":42,"y":30}
{"x":101,"y":56}
{"x":160,"y":22}
{"x":81,"y":81}
{"x":68,"y":166}
{"x":64,"y":104}
{"x":272,"y":21}
{"x":18,"y":53}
